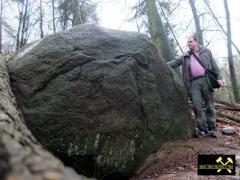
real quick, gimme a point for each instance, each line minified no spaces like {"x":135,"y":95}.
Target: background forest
{"x":168,"y":23}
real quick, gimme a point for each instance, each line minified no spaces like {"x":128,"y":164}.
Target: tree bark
{"x":230,"y":58}
{"x":157,"y":31}
{"x":21,"y":156}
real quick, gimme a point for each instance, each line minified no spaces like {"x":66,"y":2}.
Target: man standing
{"x":197,"y":86}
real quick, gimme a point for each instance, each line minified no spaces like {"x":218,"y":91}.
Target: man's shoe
{"x":199,"y":134}
{"x":213,"y":134}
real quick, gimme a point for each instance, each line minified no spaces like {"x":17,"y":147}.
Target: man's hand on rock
{"x":221,"y":82}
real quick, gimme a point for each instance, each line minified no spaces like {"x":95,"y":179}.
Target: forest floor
{"x":178,"y":160}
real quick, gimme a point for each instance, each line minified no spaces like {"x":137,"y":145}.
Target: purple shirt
{"x":196,"y":68}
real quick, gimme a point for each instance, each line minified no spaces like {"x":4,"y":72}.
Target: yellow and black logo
{"x":216,"y":164}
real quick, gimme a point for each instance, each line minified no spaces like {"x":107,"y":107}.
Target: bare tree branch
{"x":170,"y":27}
{"x":220,"y":25}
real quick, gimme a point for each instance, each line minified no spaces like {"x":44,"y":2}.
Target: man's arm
{"x":177,"y":61}
{"x":216,"y":69}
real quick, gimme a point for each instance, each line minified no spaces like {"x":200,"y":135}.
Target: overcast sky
{"x":114,"y":14}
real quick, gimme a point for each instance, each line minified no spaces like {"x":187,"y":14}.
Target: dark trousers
{"x":201,"y":93}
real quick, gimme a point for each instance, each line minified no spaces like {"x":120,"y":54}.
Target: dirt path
{"x":179,"y":160}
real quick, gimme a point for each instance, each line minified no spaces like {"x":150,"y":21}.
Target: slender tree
{"x":41,"y":20}
{"x":20,"y":13}
{"x":157,"y":31}
{"x":64,"y":14}
{"x":1,"y":23}
{"x":230,"y":58}
{"x":23,"y":23}
{"x":197,"y":22}
{"x":139,"y":10}
{"x":170,"y":27}
{"x":220,"y":25}
{"x":76,"y":13}
{"x":53,"y":17}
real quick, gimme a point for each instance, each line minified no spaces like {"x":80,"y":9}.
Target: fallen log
{"x":233,"y":106}
{"x":218,"y":105}
{"x":230,"y":116}
{"x":21,"y":156}
{"x":227,"y":121}
{"x":222,"y":106}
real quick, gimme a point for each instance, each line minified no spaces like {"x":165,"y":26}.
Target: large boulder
{"x":21,"y":156}
{"x":99,"y":96}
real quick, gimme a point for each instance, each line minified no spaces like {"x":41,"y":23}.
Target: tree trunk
{"x":230,"y":58}
{"x":25,"y":20}
{"x":219,"y":24}
{"x":41,"y":20}
{"x":197,"y":23}
{"x":19,"y":27}
{"x":76,"y":14}
{"x":1,"y":23}
{"x":157,"y":31}
{"x":21,"y":156}
{"x":65,"y":18}
{"x":53,"y":15}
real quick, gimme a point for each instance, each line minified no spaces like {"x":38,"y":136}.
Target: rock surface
{"x":229,"y":130}
{"x":100,"y":96}
{"x":21,"y":156}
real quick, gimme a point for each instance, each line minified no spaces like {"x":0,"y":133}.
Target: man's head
{"x":192,"y":43}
